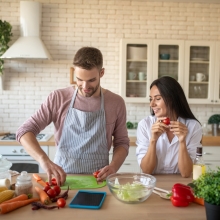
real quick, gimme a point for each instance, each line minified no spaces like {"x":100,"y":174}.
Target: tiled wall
{"x":68,"y":25}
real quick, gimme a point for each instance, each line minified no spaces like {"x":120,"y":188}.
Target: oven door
{"x":30,"y":165}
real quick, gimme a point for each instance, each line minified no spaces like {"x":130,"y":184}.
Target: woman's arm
{"x":149,"y":160}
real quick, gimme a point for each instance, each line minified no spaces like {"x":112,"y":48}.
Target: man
{"x":85,"y":120}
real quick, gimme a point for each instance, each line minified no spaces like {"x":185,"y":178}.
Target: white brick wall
{"x":68,"y":25}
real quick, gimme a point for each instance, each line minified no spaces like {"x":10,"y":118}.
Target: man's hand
{"x":104,"y":172}
{"x":53,"y":170}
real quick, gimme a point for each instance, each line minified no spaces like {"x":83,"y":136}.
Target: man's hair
{"x":88,"y":58}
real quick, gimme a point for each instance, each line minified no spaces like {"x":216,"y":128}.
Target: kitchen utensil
{"x":162,"y":193}
{"x":142,"y":76}
{"x":82,"y":182}
{"x":39,"y":180}
{"x":131,"y":187}
{"x":4,"y":168}
{"x":132,"y":75}
{"x":200,"y":77}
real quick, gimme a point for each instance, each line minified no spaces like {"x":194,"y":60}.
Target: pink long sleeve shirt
{"x":55,"y":107}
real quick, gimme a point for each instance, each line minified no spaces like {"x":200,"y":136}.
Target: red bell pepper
{"x":179,"y":203}
{"x":182,"y":195}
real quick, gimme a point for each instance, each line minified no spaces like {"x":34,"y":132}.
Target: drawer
{"x":211,"y":153}
{"x":212,"y":165}
{"x":131,"y":154}
{"x":130,"y":166}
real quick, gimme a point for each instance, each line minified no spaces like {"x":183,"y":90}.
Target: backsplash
{"x":69,"y":25}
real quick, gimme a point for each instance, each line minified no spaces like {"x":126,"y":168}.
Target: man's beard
{"x":92,"y":90}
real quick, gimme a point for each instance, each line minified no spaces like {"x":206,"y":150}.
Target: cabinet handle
{"x":212,"y":100}
{"x":216,"y":100}
{"x":206,"y":153}
{"x":126,"y":164}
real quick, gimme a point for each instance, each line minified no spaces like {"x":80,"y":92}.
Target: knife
{"x":39,"y":180}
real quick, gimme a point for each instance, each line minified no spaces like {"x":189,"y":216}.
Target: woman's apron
{"x":83,"y":145}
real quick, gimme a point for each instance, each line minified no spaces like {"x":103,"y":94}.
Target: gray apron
{"x":83,"y":146}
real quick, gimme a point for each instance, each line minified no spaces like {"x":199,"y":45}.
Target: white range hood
{"x":29,"y":45}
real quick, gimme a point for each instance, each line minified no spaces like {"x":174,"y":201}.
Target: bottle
{"x":5,"y":175}
{"x":199,"y":164}
{"x":24,"y":184}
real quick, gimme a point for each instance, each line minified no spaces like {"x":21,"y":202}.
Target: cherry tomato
{"x":166,"y":121}
{"x":61,"y":202}
{"x":53,"y":179}
{"x":95,"y":174}
{"x":51,"y":193}
{"x":57,"y":190}
{"x":54,"y":183}
{"x":46,"y":188}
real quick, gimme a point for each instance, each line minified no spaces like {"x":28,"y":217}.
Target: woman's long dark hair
{"x":174,"y":97}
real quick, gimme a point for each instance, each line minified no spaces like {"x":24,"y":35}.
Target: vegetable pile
{"x":47,"y":196}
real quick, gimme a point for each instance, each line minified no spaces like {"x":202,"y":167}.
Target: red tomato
{"x":54,"y":183}
{"x":46,"y":188}
{"x":95,"y":174}
{"x":61,"y":202}
{"x":166,"y":121}
{"x":53,"y":179}
{"x":51,"y":193}
{"x":57,"y":189}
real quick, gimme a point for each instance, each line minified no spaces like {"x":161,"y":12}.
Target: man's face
{"x":88,"y":81}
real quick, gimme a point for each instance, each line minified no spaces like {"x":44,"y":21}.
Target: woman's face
{"x":157,"y":103}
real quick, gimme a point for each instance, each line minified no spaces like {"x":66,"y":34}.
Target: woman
{"x":169,"y":148}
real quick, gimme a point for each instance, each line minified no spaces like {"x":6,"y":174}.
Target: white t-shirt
{"x":167,"y":153}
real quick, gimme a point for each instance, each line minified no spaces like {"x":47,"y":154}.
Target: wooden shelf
{"x":136,"y":81}
{"x":131,"y":60}
{"x":195,"y":82}
{"x":168,"y":61}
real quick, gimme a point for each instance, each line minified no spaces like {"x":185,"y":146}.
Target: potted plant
{"x":215,"y":121}
{"x":5,"y":37}
{"x":207,"y":186}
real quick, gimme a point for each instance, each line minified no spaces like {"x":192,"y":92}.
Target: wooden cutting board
{"x":82,"y":182}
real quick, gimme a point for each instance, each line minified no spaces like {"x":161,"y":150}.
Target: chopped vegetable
{"x":8,"y":207}
{"x":17,"y":198}
{"x":44,"y":198}
{"x":131,"y":192}
{"x":6,"y":195}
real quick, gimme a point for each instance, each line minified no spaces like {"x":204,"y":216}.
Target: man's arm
{"x":31,"y":145}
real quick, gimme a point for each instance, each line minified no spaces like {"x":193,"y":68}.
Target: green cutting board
{"x":82,"y":182}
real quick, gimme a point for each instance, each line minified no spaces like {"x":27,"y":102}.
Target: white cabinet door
{"x":168,"y":59}
{"x":136,"y":69}
{"x":211,"y":157}
{"x":130,"y":164}
{"x":216,"y":87}
{"x":200,"y":60}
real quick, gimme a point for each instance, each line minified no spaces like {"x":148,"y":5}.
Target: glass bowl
{"x":131,"y":187}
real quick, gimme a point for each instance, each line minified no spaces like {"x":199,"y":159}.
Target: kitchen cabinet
{"x":202,"y":57}
{"x":211,"y":157}
{"x":52,"y":152}
{"x":130,"y":164}
{"x":185,"y":60}
{"x":136,"y":69}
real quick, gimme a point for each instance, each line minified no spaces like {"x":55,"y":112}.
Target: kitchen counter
{"x":154,"y":208}
{"x":207,"y":140}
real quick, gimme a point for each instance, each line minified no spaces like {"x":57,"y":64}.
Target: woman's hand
{"x":158,"y":128}
{"x":179,"y":129}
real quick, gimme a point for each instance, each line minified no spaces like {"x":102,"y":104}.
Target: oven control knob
{"x":14,"y":151}
{"x":22,"y":151}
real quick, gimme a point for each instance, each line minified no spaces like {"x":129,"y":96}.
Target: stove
{"x":12,"y":137}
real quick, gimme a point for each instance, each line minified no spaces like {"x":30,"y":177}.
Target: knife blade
{"x":39,"y":180}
